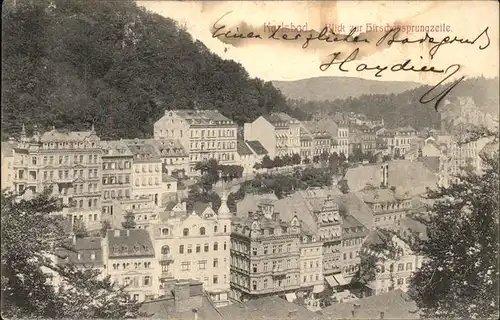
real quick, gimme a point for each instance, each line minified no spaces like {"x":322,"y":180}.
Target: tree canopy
{"x":115,"y":65}
{"x":31,"y":235}
{"x":459,"y":278}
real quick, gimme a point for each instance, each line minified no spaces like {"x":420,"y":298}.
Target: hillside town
{"x":314,"y":252}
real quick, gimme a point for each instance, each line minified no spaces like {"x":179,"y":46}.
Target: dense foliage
{"x":116,"y":65}
{"x":404,"y":109}
{"x":30,"y":237}
{"x":459,"y":278}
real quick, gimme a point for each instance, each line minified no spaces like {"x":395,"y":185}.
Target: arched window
{"x":164,"y":232}
{"x":215,"y":229}
{"x":202,"y":231}
{"x":185,"y":232}
{"x":225,"y":245}
{"x":216,"y":246}
{"x":165,"y":250}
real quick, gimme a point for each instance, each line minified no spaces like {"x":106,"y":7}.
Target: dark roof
{"x":279,"y":119}
{"x":200,"y":207}
{"x":131,"y":242}
{"x":432,"y":163}
{"x":257,"y":147}
{"x":267,"y":308}
{"x":243,"y":148}
{"x":415,"y":226}
{"x":349,"y":222}
{"x":85,"y":247}
{"x":394,"y":304}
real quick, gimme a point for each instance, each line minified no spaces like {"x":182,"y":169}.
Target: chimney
{"x":382,"y":314}
{"x":117,"y":233}
{"x":183,"y":204}
{"x":276,"y":216}
{"x":210,"y":204}
{"x":128,"y":232}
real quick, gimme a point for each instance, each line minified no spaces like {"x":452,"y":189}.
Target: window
{"x":400,"y":281}
{"x":254,"y":267}
{"x":164,"y":232}
{"x":202,"y":231}
{"x":254,"y":285}
{"x":215,"y":229}
{"x":186,"y":266}
{"x":401,"y":267}
{"x":408,"y":266}
{"x":198,"y":248}
{"x":206,"y":247}
{"x":216,"y":279}
{"x":216,"y":263}
{"x":202,"y":264}
{"x":216,"y":246}
{"x":254,"y":251}
{"x":225,"y":228}
{"x":265,"y":249}
{"x":181,"y":248}
{"x":190,"y":248}
{"x":185,"y":232}
{"x":147,"y":281}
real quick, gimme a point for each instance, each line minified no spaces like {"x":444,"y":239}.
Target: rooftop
{"x":243,"y":148}
{"x":130,"y":242}
{"x":279,"y":119}
{"x":394,"y":305}
{"x":268,"y":308}
{"x":257,"y":147}
{"x":87,"y":251}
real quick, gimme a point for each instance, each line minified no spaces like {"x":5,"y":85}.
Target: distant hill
{"x":71,"y":64}
{"x":331,"y":88}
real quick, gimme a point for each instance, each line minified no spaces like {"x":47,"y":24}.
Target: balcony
{"x":167,"y":275}
{"x":279,"y":272}
{"x":166,"y":258}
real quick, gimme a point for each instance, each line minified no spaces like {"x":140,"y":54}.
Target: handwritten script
{"x":392,"y":37}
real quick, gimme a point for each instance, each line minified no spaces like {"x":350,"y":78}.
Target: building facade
{"x":195,"y":246}
{"x":204,"y":134}
{"x":265,"y":255}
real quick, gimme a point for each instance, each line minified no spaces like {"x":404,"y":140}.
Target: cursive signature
{"x":392,"y":37}
{"x":405,"y":66}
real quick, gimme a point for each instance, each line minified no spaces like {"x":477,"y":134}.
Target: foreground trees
{"x":459,"y":279}
{"x":30,"y":235}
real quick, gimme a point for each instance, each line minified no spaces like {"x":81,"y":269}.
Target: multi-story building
{"x":368,"y":139}
{"x":117,"y":162}
{"x":394,"y":263}
{"x":173,"y":156}
{"x":353,"y":236}
{"x":249,"y":154}
{"x":69,"y":163}
{"x":387,"y":204}
{"x":130,"y":260}
{"x":321,"y":137}
{"x":310,"y":261}
{"x":7,"y":165}
{"x":146,"y":170}
{"x":277,"y":132}
{"x":205,"y":134}
{"x":342,"y":145}
{"x":320,"y":213}
{"x":265,"y":255}
{"x":398,"y":140}
{"x":195,"y":246}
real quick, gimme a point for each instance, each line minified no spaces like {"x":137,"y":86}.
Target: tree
{"x":79,"y":229}
{"x":267,"y":162}
{"x":324,"y":156}
{"x":296,"y":158}
{"x":278,"y":162}
{"x":344,"y":188}
{"x":129,"y":222}
{"x":31,"y":234}
{"x":459,"y":277}
{"x":106,"y":225}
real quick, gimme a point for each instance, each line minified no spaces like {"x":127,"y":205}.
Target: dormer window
{"x":145,"y":248}
{"x":185,"y":232}
{"x":124,"y":249}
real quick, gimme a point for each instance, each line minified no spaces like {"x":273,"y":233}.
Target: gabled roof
{"x":243,"y":148}
{"x":113,"y":148}
{"x":279,"y":119}
{"x":131,"y":242}
{"x":394,"y":304}
{"x":59,"y":136}
{"x":268,"y":308}
{"x":257,"y":147}
{"x":84,"y":250}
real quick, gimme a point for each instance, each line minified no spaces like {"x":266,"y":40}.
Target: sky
{"x":287,"y":60}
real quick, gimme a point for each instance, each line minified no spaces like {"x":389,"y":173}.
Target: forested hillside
{"x":404,"y":109}
{"x":113,"y":64}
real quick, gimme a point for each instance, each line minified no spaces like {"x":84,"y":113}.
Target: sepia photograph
{"x":248,"y":160}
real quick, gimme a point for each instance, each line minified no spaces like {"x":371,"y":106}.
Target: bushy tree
{"x":296,"y":158}
{"x":79,"y":229}
{"x":129,"y":222}
{"x":31,"y":235}
{"x":459,"y":278}
{"x":267,"y":162}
